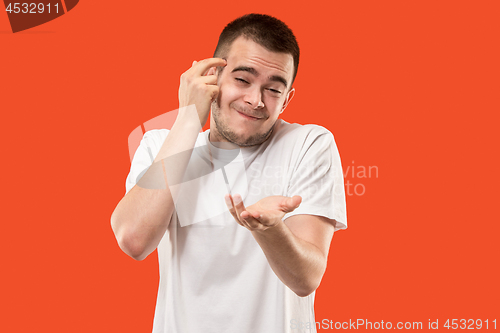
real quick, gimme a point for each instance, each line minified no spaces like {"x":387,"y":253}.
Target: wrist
{"x":188,"y":116}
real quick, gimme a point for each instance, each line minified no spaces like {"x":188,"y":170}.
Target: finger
{"x":238,"y":204}
{"x":255,"y":218}
{"x":211,"y":71}
{"x":214,"y":91}
{"x":209,"y":79}
{"x":194,"y":63}
{"x":265,"y":219}
{"x":230,"y":206}
{"x":255,"y":214}
{"x":245,"y":216}
{"x":229,"y":203}
{"x":204,"y":65}
{"x":250,"y":220}
{"x":240,"y":208}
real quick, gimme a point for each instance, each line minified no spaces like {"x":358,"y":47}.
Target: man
{"x":254,"y":264}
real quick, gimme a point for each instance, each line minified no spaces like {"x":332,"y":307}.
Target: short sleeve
{"x":144,"y":156}
{"x":317,"y":177}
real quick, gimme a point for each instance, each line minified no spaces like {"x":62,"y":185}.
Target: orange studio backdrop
{"x":410,"y":90}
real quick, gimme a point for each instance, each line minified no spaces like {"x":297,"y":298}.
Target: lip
{"x":247,"y":117}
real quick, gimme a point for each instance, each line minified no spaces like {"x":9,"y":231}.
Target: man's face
{"x":254,"y":89}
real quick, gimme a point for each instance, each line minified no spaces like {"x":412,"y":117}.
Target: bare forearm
{"x":143,"y":215}
{"x":298,"y":264}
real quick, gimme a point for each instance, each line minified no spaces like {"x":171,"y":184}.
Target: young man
{"x":243,"y":214}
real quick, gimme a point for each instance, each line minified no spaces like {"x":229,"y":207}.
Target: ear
{"x":289,"y":97}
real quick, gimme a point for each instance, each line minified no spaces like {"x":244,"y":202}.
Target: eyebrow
{"x":251,"y":70}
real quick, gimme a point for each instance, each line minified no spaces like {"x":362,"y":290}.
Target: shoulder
{"x":155,"y":135}
{"x":302,"y":135}
{"x":153,"y":139}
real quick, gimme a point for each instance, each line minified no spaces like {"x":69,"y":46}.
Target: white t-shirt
{"x":214,"y":277}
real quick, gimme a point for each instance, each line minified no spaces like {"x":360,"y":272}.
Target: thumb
{"x":290,"y":204}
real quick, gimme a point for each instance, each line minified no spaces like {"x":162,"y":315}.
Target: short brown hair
{"x":266,"y":31}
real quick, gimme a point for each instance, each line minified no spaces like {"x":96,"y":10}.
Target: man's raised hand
{"x":198,"y":86}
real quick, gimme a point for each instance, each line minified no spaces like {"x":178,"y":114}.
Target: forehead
{"x":246,"y":52}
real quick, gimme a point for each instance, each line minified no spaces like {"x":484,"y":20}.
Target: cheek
{"x":273,"y":105}
{"x":228,"y":88}
{"x":229,"y":93}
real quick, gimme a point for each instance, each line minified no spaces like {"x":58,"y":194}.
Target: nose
{"x":253,"y":97}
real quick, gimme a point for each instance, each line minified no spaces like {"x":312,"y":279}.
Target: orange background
{"x":411,"y":87}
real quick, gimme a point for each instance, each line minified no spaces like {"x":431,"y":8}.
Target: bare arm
{"x":298,"y":261}
{"x":141,"y":218}
{"x":297,"y":248}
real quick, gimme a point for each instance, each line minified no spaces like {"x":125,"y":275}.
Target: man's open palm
{"x":264,"y":214}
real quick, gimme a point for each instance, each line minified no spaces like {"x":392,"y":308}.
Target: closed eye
{"x":241,"y":80}
{"x":275,"y":91}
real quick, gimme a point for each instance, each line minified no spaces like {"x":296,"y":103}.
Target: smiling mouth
{"x":247,"y":116}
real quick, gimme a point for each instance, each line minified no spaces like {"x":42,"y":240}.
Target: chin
{"x":246,"y":139}
{"x":236,"y":130}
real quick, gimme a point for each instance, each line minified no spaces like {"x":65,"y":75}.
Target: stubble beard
{"x":227,"y":133}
